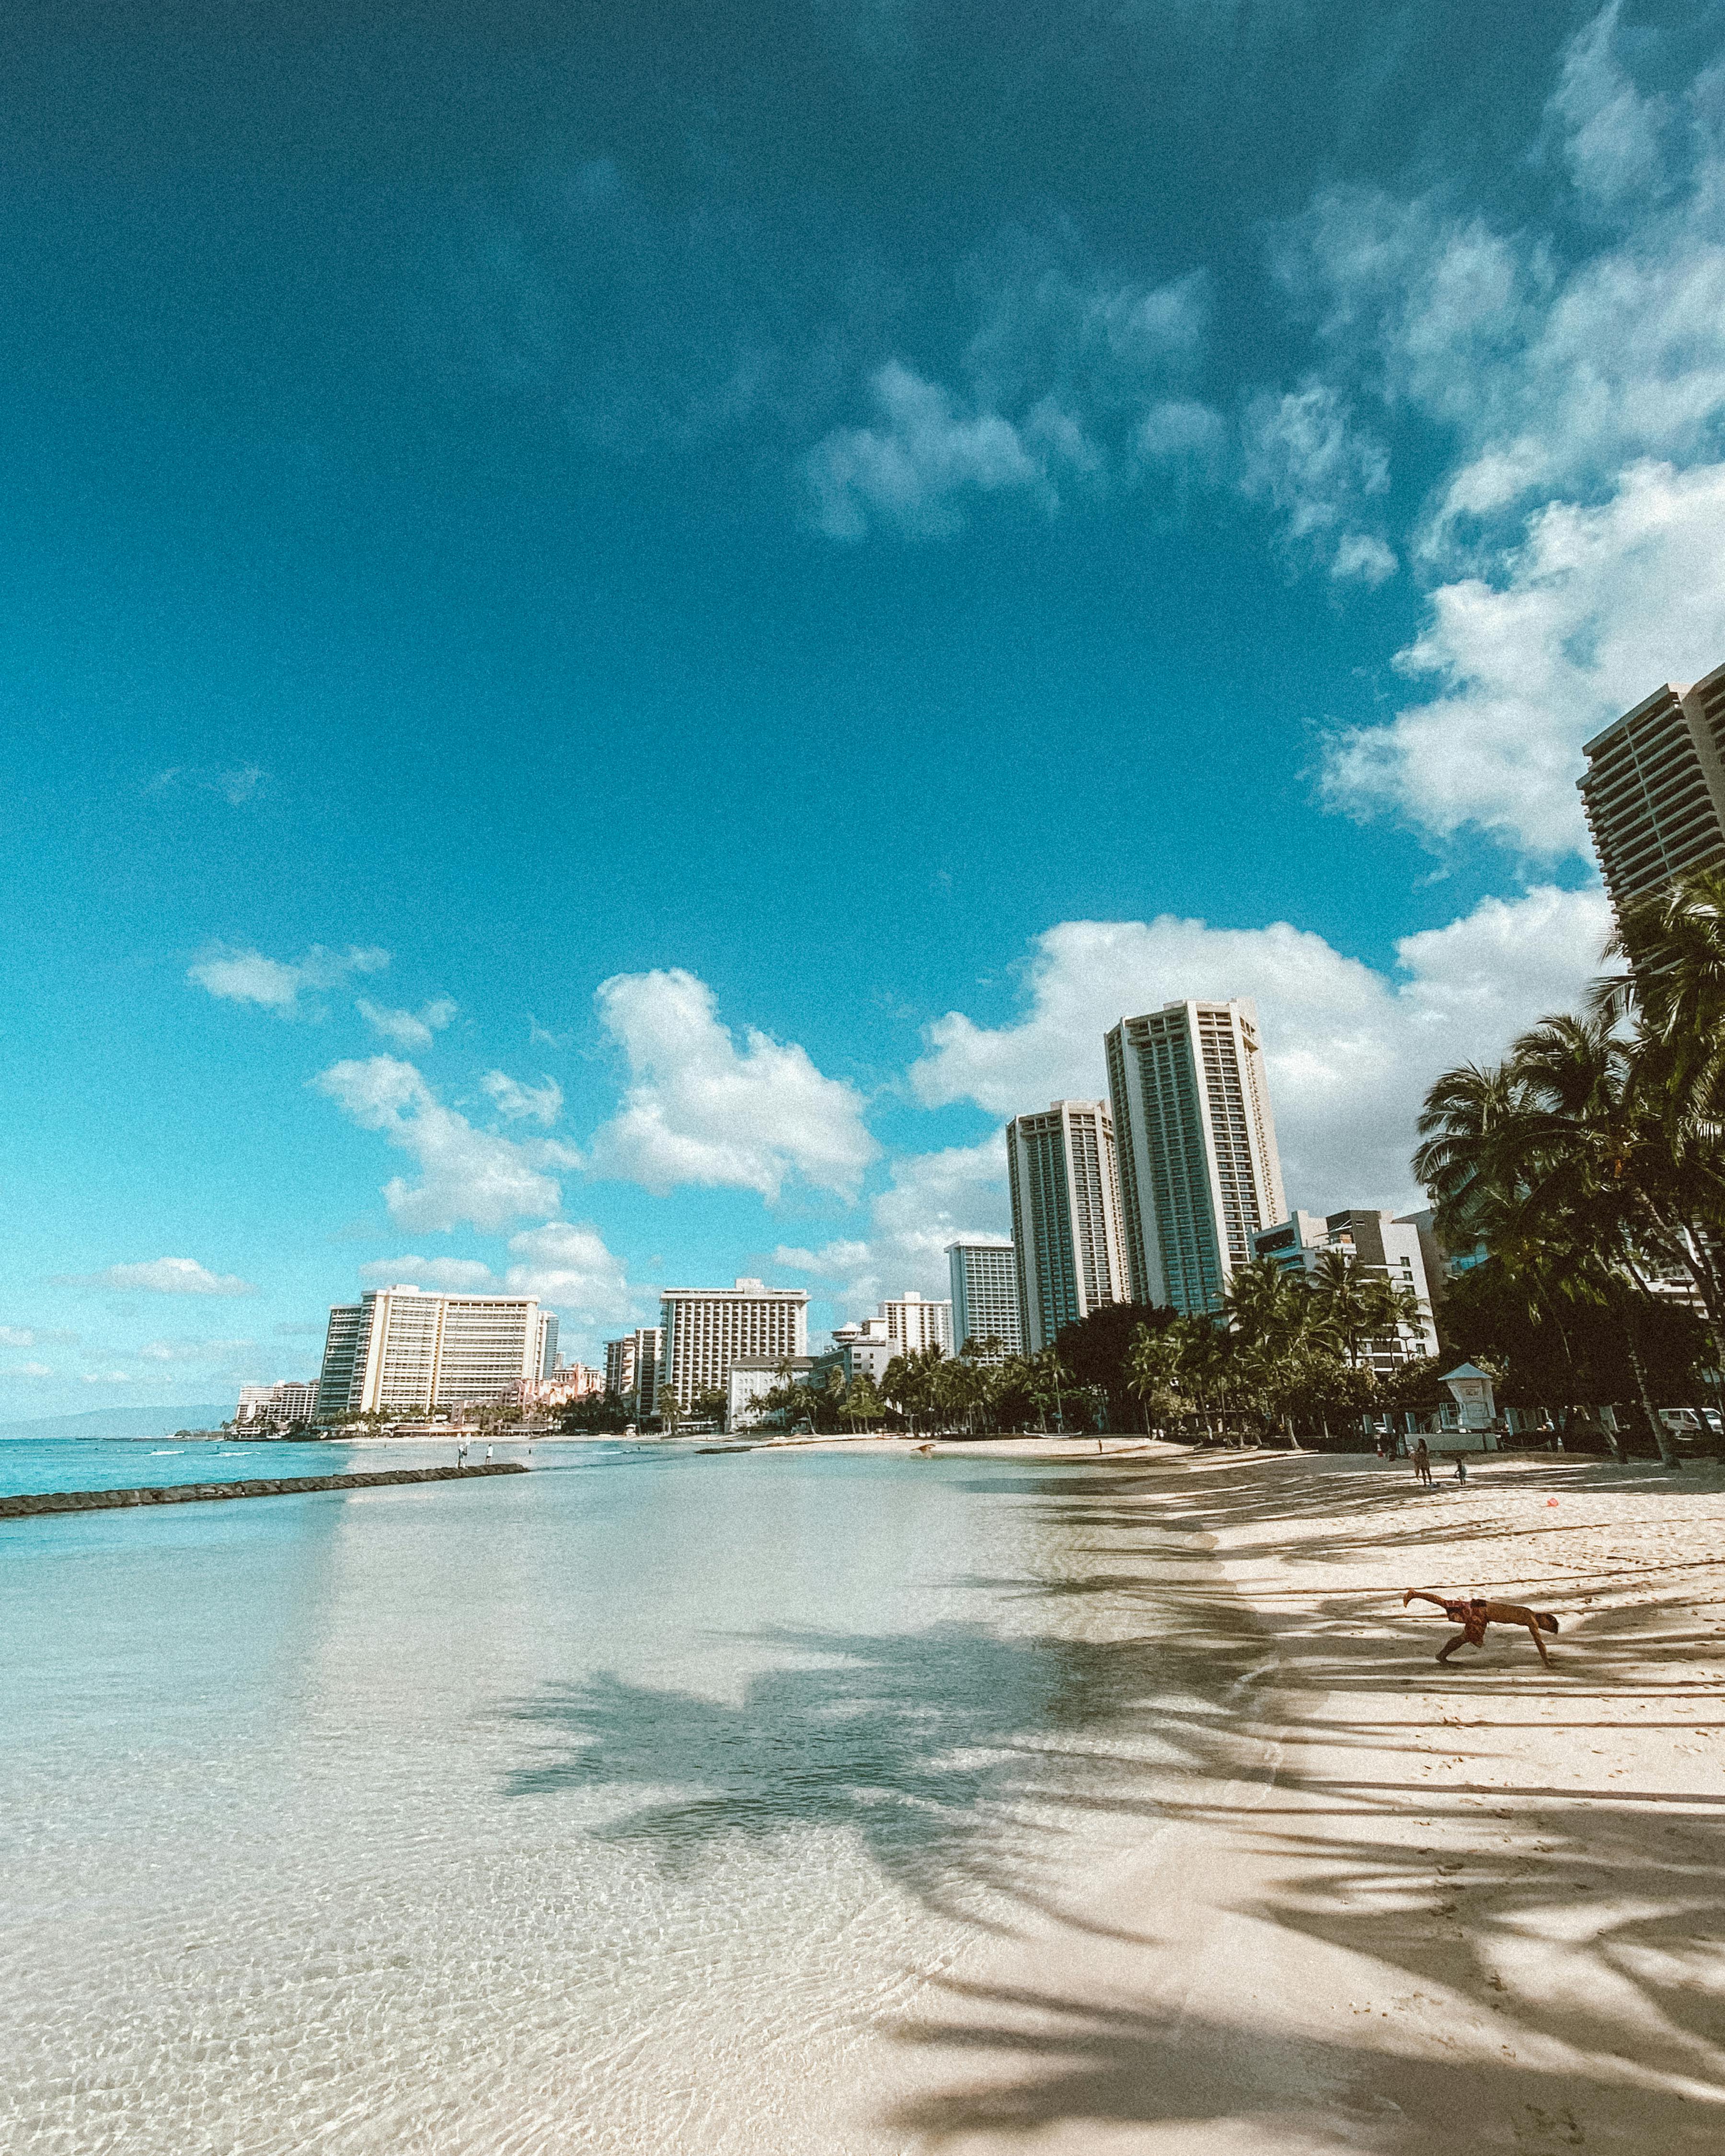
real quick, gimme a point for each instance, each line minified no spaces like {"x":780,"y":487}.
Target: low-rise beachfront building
{"x":985,"y":1297}
{"x":401,"y":1352}
{"x":707,"y":1329}
{"x":750,"y":1380}
{"x":862,"y":1349}
{"x":279,"y":1406}
{"x":1381,"y":1245}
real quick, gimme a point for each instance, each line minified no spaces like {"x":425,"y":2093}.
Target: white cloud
{"x":164,"y":1276}
{"x":27,"y":1370}
{"x":237,"y":787}
{"x":465,"y":1174}
{"x":1350,"y":1050}
{"x":403,"y":1027}
{"x":1360,"y":555}
{"x":222,"y":1352}
{"x":569,"y":1267}
{"x":1068,"y":378}
{"x":1610,"y":135}
{"x":931,"y":1199}
{"x":109,"y":1377}
{"x":1308,"y":455}
{"x":911,"y":466}
{"x":698,"y":1110}
{"x":1597,"y":607}
{"x":457,"y":1275}
{"x":1576,"y":544}
{"x":515,"y":1102}
{"x":239,"y":975}
{"x":35,"y":1336}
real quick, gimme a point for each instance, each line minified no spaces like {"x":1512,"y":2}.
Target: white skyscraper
{"x":1065,"y":1216}
{"x":1199,"y":1174}
{"x":912,"y":1323}
{"x":400,"y":1351}
{"x":707,"y":1329}
{"x":985,"y":1294}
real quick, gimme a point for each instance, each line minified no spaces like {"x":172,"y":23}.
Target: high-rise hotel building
{"x":632,"y":1369}
{"x":397,"y":1351}
{"x":707,"y":1329}
{"x":1199,"y":1173}
{"x":985,"y":1297}
{"x":1065,"y":1216}
{"x":1653,"y":791}
{"x":913,"y":1323}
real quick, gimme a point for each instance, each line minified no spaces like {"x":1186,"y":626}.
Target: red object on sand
{"x":1551,"y":1501}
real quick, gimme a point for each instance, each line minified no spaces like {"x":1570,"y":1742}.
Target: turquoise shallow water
{"x":619,"y":1806}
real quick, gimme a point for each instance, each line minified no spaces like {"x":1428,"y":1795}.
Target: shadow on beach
{"x":1580,"y":1926}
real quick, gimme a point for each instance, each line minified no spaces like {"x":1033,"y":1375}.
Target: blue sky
{"x":626,"y":627}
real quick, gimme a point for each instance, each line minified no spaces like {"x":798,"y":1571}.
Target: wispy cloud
{"x":236,"y":974}
{"x":161,"y":1276}
{"x":519,"y":1103}
{"x":465,"y":1174}
{"x":457,"y":1275}
{"x":408,"y":1028}
{"x":1575,"y":547}
{"x":1072,"y":379}
{"x":237,"y":787}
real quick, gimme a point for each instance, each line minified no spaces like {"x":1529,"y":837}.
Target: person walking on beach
{"x":1422,"y":1463}
{"x":1474,"y":1614}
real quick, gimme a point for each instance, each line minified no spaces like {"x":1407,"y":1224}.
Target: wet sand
{"x":1364,"y":1902}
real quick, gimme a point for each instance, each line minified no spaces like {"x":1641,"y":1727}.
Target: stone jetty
{"x":191,"y":1493}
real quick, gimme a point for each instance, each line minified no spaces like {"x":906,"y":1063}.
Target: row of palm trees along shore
{"x":1589,"y":1167}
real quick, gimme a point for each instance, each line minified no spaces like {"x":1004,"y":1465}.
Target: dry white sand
{"x":1365,"y":1903}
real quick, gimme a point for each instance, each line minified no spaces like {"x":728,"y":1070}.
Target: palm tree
{"x":1550,"y":1157}
{"x":1153,"y":1373}
{"x":1674,"y":990}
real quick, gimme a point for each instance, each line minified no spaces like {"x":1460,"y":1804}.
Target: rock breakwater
{"x":29,"y":1504}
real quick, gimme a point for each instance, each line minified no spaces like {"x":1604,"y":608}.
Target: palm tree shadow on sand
{"x":949,"y":1753}
{"x":967,"y":1763}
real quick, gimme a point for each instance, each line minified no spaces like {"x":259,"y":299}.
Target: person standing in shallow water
{"x":1422,"y":1463}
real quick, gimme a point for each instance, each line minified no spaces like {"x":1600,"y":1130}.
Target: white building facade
{"x":985,"y":1297}
{"x":632,"y":1369}
{"x":706,"y":1330}
{"x":1382,"y":1245}
{"x":1199,"y":1171}
{"x":400,"y":1351}
{"x":1065,"y":1216}
{"x":914,"y":1323}
{"x":293,"y":1400}
{"x":1654,"y":790}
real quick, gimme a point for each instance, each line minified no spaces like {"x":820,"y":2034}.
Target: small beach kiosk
{"x":1477,"y":1404}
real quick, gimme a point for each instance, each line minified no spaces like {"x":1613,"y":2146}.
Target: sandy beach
{"x":1366,"y":1902}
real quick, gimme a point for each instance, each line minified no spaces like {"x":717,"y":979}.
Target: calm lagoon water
{"x":622,"y":1806}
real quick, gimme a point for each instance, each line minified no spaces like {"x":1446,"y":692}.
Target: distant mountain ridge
{"x":123,"y":1422}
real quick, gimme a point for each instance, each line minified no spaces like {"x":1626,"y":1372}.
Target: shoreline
{"x":1380,"y":1904}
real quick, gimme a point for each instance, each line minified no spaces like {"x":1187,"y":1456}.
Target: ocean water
{"x":627,"y":1805}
